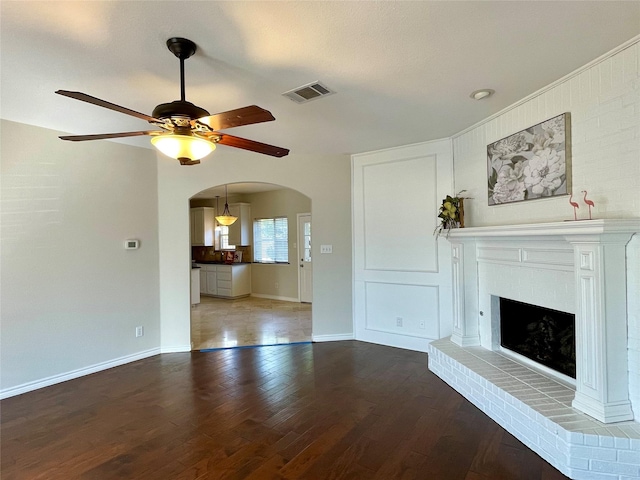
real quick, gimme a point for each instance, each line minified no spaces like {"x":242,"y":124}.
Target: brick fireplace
{"x":575,"y":267}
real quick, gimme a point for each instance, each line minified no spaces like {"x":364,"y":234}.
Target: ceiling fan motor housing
{"x":179,"y":108}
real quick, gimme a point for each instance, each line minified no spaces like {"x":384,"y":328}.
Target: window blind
{"x":271,"y":240}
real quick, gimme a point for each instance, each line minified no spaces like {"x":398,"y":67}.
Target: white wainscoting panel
{"x":400,"y":268}
{"x":412,"y":305}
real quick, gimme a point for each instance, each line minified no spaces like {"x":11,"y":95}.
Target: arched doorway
{"x":256,"y":299}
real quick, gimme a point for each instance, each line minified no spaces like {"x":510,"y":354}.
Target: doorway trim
{"x":299,"y":249}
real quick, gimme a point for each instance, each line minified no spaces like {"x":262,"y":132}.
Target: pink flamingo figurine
{"x":588,"y":202}
{"x":574,"y":205}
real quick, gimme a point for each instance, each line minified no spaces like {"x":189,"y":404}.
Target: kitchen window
{"x":222,"y":239}
{"x":271,"y":240}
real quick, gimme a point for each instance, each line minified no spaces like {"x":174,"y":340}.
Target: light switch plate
{"x":326,"y":248}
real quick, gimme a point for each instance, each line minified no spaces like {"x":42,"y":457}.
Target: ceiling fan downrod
{"x":183,"y":49}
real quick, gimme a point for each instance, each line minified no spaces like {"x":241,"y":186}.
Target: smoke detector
{"x":308,"y":92}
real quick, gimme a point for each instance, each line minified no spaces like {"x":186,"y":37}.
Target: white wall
{"x":604,"y":101}
{"x":325,"y":180}
{"x":71,"y":295}
{"x":400,"y":269}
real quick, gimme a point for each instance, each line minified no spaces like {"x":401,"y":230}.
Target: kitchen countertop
{"x":222,"y":263}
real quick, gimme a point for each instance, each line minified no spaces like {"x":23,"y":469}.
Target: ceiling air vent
{"x":308,"y":92}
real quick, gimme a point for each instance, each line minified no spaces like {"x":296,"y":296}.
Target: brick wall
{"x":604,"y":101}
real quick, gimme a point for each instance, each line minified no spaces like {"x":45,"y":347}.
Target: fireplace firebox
{"x":541,"y":334}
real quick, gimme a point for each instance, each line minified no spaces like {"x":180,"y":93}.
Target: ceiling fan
{"x":187,"y":131}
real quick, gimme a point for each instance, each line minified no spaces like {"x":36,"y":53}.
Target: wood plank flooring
{"x":339,"y":410}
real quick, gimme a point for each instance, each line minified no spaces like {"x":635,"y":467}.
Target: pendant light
{"x":226,"y":218}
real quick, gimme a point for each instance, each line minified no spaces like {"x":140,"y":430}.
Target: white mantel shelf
{"x":580,"y":227}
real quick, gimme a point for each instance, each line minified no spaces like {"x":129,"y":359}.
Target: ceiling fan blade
{"x":237,"y":117}
{"x":251,"y":145}
{"x":83,"y":97}
{"x":101,"y":136}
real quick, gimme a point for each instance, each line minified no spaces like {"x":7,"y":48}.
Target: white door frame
{"x":299,"y":250}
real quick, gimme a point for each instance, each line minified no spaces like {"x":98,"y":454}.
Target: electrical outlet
{"x":398,"y":321}
{"x":139,"y":331}
{"x":277,"y":285}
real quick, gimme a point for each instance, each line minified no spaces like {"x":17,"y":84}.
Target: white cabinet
{"x":202,"y":221}
{"x":211,"y":281}
{"x":203,"y":279}
{"x":208,"y":279}
{"x":240,"y":231}
{"x":228,"y":281}
{"x":234,"y":280}
{"x":195,"y":286}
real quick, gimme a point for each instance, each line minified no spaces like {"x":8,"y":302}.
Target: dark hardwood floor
{"x":348,"y":410}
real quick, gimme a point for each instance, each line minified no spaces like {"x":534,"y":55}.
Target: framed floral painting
{"x":534,"y":163}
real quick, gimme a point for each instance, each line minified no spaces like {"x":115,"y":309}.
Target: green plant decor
{"x":451,"y":214}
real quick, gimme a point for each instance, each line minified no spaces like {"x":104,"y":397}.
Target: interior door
{"x":305,"y":266}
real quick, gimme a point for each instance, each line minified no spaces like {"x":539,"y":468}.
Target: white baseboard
{"x":275,"y":297}
{"x":175,"y":349}
{"x":332,"y":338}
{"x":406,"y":342}
{"x":81,"y":372}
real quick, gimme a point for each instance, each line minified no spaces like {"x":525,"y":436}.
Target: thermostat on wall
{"x":132,"y":244}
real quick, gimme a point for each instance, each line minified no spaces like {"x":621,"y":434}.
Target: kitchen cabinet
{"x":208,"y":279}
{"x":203,"y":279}
{"x":202,"y":220}
{"x":240,"y":230}
{"x":234,"y":281}
{"x":195,"y":286}
{"x":226,"y":281}
{"x":211,"y":284}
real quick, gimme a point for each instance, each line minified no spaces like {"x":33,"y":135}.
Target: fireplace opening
{"x":541,"y":334}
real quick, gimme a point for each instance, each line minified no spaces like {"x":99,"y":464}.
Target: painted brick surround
{"x":577,"y":267}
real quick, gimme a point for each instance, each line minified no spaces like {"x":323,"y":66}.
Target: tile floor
{"x":220,"y":323}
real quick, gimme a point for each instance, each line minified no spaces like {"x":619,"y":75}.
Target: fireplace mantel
{"x":581,"y":227}
{"x":586,"y":259}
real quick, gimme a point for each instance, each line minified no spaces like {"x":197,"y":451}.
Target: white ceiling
{"x":403,"y":71}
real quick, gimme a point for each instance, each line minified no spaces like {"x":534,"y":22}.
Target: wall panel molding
{"x":400,"y":269}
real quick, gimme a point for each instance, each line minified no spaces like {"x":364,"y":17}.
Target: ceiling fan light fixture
{"x":183,"y":146}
